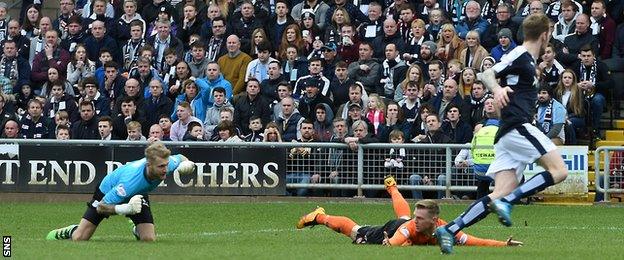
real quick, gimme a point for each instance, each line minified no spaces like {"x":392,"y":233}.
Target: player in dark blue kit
{"x":517,"y":142}
{"x":124,"y":192}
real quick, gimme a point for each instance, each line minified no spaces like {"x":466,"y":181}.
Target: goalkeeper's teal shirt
{"x":130,"y":179}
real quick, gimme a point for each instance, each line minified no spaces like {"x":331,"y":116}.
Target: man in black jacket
{"x":157,"y":104}
{"x":431,"y":160}
{"x":311,"y":98}
{"x":87,"y":127}
{"x":251,"y":103}
{"x":595,"y":81}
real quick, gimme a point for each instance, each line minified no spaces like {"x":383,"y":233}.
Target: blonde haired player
{"x":405,"y":230}
{"x":124,"y":192}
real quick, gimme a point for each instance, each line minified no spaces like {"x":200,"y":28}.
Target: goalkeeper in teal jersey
{"x":124,"y":192}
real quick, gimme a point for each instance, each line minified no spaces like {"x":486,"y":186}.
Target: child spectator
{"x":61,"y":118}
{"x":165,"y":123}
{"x":255,"y":125}
{"x":62,"y":132}
{"x":375,"y":114}
{"x":454,"y":69}
{"x":169,"y":68}
{"x":22,"y":98}
{"x":134,"y":132}
{"x":396,"y":156}
{"x":194,"y":132}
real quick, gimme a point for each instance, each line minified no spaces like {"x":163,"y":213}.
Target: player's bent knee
{"x":148,"y":238}
{"x":559,"y":174}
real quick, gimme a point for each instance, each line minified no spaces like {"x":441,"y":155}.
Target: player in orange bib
{"x":402,"y":231}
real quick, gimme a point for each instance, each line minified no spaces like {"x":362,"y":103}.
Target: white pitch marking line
{"x":234,"y":232}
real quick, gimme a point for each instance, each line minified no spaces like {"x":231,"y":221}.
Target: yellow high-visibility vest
{"x":483,"y":145}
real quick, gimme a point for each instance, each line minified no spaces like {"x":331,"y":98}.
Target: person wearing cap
{"x":330,"y":58}
{"x":315,"y":69}
{"x":551,"y":115}
{"x":259,"y":68}
{"x":277,"y":24}
{"x":472,"y":21}
{"x":317,"y":7}
{"x":356,"y":113}
{"x":163,"y":14}
{"x":311,"y":98}
{"x":503,"y":20}
{"x":505,"y":44}
{"x":151,"y":10}
{"x":426,"y":56}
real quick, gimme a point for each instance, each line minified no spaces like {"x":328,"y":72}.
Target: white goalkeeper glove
{"x":132,"y":207}
{"x":186,"y":167}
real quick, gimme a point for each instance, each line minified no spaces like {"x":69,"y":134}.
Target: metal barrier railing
{"x":608,"y":180}
{"x":424,"y":167}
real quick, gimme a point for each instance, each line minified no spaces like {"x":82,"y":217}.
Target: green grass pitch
{"x":266,"y":231}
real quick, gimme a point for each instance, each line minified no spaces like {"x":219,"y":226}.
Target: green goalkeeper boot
{"x":62,"y":233}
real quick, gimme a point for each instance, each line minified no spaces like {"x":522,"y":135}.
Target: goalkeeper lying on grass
{"x":403,"y":231}
{"x":124,"y":192}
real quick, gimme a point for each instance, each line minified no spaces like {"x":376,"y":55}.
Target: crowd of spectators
{"x":295,"y":70}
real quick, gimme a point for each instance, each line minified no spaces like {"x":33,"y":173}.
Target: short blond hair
{"x":429,"y":205}
{"x":157,"y":150}
{"x":133,"y":125}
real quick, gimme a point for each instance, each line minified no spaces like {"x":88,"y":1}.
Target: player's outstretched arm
{"x":511,"y":242}
{"x":132,"y":207}
{"x":468,"y":240}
